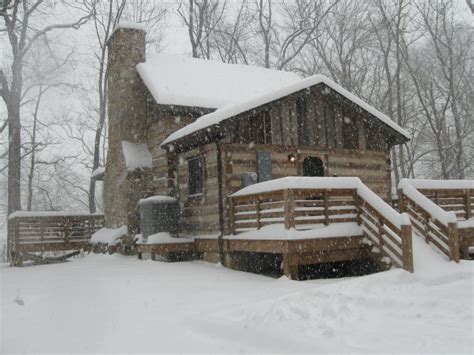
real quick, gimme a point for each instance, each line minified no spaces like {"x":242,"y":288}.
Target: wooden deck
{"x":452,"y":239}
{"x":303,"y":209}
{"x":31,"y":232}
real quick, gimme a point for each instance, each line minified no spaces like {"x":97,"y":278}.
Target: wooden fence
{"x":305,"y":208}
{"x":30,"y":232}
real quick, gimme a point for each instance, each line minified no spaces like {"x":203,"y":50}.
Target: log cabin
{"x":200,"y":130}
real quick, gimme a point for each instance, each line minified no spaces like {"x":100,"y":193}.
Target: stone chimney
{"x":127,"y":120}
{"x":127,"y":95}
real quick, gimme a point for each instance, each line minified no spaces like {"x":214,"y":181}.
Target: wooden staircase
{"x":441,"y":213}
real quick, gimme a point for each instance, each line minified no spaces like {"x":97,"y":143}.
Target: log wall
{"x":372,"y":167}
{"x":199,"y":213}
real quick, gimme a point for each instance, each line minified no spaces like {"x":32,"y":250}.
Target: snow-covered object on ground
{"x":157,"y":199}
{"x":98,"y":171}
{"x":136,"y":155}
{"x":185,"y":81}
{"x":47,"y":214}
{"x":109,"y":235}
{"x":424,"y":202}
{"x":162,"y":238}
{"x":236,"y":108}
{"x":439,"y":184}
{"x":278,"y":232}
{"x":305,"y":182}
{"x":121,"y":304}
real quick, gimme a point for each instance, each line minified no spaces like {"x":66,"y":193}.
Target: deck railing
{"x":305,"y":208}
{"x":50,"y":231}
{"x":435,"y":211}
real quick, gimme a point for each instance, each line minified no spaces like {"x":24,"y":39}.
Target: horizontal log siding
{"x":199,"y":214}
{"x":372,"y":167}
{"x":158,"y":130}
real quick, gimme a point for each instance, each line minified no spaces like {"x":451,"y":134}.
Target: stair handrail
{"x":448,"y":219}
{"x":401,"y":221}
{"x":436,"y":212}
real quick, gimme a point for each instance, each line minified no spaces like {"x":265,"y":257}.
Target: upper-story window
{"x":196,"y":175}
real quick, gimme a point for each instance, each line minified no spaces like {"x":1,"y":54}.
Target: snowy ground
{"x":119,"y":304}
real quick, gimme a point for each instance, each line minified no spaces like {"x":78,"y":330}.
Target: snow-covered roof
{"x":185,"y":81}
{"x":236,"y":108}
{"x":136,"y":155}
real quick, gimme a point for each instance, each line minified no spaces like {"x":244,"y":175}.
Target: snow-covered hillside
{"x":120,"y":304}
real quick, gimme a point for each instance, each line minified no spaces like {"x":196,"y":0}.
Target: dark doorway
{"x":313,"y":166}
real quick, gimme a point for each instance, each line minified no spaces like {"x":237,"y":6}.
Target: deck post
{"x":9,"y":236}
{"x":17,"y":258}
{"x":326,"y":209}
{"x":257,"y":210}
{"x":427,"y":227}
{"x":358,"y":208}
{"x":380,"y":225}
{"x":401,"y":202}
{"x":66,"y":230}
{"x":453,"y":239}
{"x":289,"y":210}
{"x":467,"y":200}
{"x":407,"y":248}
{"x":290,"y":271}
{"x":231,"y":216}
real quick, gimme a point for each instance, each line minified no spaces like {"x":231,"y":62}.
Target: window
{"x":195,"y":173}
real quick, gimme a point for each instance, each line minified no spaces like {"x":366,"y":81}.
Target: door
{"x":313,"y":166}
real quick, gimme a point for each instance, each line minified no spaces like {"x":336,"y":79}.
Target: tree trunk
{"x":14,"y":157}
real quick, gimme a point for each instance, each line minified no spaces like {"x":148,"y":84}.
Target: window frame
{"x":189,"y":161}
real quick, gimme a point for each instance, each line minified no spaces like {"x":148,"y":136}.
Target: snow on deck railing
{"x":436,"y":212}
{"x":329,"y":183}
{"x":51,"y":214}
{"x":439,"y":184}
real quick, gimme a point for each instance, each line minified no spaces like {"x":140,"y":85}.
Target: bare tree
{"x":23,"y":30}
{"x":287,"y":28}
{"x":201,"y":18}
{"x":233,"y":35}
{"x":451,"y":50}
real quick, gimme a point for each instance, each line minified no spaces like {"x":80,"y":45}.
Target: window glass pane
{"x":195,"y":167}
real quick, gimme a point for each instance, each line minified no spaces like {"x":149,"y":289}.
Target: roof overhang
{"x":221,"y":118}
